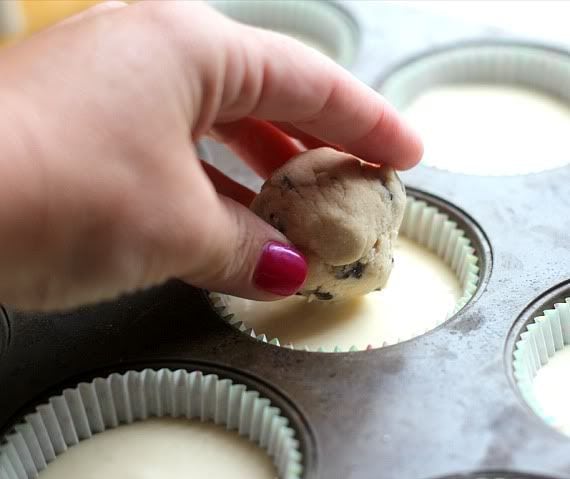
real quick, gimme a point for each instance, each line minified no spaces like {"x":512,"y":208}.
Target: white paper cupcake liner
{"x":106,"y":403}
{"x":426,"y":225}
{"x":541,"y":340}
{"x":322,"y":23}
{"x":530,"y":66}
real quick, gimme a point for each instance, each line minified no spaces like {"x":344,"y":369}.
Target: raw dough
{"x":342,"y":213}
{"x":552,"y":390}
{"x":163,"y":448}
{"x":421,"y":292}
{"x":491,"y":129}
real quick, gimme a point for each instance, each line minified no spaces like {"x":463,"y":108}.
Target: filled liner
{"x":423,"y":224}
{"x":106,"y":403}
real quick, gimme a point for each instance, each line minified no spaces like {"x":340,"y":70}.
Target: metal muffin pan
{"x":442,"y":405}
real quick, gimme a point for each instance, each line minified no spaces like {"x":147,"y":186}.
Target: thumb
{"x":247,"y":257}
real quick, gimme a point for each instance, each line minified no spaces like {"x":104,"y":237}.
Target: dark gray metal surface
{"x":4,"y":331}
{"x":438,"y":405}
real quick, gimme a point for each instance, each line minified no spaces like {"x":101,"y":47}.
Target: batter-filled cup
{"x":435,"y":274}
{"x":153,"y":423}
{"x":541,"y":365}
{"x":487,"y":109}
{"x":319,"y":24}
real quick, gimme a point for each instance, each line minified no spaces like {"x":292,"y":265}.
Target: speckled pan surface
{"x":441,"y":405}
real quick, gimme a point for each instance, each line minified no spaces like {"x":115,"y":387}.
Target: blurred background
{"x":543,"y":19}
{"x":371,"y":38}
{"x":21,"y":17}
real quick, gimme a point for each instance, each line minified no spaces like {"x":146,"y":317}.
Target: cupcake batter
{"x":421,"y":292}
{"x":552,"y":391}
{"x":491,"y":129}
{"x":163,"y":448}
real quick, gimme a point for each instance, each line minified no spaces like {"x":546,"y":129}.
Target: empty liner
{"x":531,"y":70}
{"x":320,"y":24}
{"x":545,"y":339}
{"x":424,"y":225}
{"x":106,"y":403}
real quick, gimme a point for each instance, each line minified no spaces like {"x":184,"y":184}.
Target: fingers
{"x":218,"y":244}
{"x":228,"y":187}
{"x":246,"y":257}
{"x":288,"y":82}
{"x":261,"y":145}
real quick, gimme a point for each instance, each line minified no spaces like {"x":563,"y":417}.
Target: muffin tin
{"x":442,"y":405}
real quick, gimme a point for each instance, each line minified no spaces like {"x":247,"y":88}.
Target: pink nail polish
{"x":281,"y":269}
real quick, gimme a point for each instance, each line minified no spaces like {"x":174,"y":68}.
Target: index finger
{"x":301,"y":86}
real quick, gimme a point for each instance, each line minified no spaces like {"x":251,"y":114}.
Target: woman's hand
{"x":101,"y":190}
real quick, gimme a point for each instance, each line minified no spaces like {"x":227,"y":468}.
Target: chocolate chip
{"x":287,"y":182}
{"x":392,"y":260}
{"x":391,"y":195}
{"x":353,"y":270}
{"x":323,"y":295}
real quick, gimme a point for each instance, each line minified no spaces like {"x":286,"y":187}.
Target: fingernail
{"x":281,"y":269}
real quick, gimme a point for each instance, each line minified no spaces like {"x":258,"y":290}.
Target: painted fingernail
{"x":281,"y":269}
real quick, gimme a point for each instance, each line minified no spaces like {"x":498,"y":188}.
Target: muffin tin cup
{"x":542,"y":338}
{"x":324,"y":24}
{"x":424,"y":224}
{"x":106,"y":403}
{"x":533,"y":66}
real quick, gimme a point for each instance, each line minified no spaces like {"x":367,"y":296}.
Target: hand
{"x":101,"y":189}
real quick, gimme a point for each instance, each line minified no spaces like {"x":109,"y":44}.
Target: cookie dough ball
{"x":342,"y":213}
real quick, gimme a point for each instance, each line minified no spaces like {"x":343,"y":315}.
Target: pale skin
{"x":101,"y":190}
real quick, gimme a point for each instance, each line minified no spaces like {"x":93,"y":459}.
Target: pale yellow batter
{"x":552,"y":389}
{"x":491,"y":129}
{"x":163,"y":449}
{"x":421,"y":292}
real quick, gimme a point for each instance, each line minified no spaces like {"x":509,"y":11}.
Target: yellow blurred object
{"x":21,"y":17}
{"x":11,"y":19}
{"x":42,"y":13}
